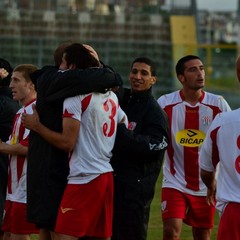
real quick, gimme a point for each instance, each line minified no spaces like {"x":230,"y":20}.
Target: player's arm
{"x":13,"y":149}
{"x":153,"y":139}
{"x":209,"y":180}
{"x":65,"y":140}
{"x":74,"y":82}
{"x":209,"y":159}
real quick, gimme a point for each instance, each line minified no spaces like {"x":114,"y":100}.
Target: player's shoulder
{"x":231,"y":116}
{"x":226,"y":119}
{"x":169,"y":98}
{"x":170,"y":95}
{"x":216,"y":100}
{"x":213,"y":96}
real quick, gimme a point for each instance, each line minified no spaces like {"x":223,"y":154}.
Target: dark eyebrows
{"x":142,"y":71}
{"x":195,"y":67}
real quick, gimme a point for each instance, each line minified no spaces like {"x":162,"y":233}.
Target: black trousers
{"x":131,"y":210}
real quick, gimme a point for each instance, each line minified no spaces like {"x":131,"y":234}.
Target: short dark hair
{"x":58,"y":53}
{"x":180,"y":66}
{"x":77,"y":54}
{"x":7,"y":66}
{"x":148,"y":61}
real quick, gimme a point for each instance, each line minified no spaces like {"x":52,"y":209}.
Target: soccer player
{"x":190,"y":111}
{"x":8,"y":109}
{"x":15,"y":224}
{"x":221,"y":148}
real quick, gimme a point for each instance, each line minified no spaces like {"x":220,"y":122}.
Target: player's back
{"x":99,"y":116}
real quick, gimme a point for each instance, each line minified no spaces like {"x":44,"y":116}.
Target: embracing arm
{"x":154,"y":137}
{"x":65,"y":140}
{"x":74,"y":82}
{"x":143,"y":144}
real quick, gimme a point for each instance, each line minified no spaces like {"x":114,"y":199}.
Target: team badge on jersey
{"x":206,"y":120}
{"x":190,"y":137}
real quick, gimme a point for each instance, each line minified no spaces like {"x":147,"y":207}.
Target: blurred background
{"x":121,"y":30}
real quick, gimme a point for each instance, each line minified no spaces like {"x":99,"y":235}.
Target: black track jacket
{"x":137,"y":160}
{"x":138,"y":153}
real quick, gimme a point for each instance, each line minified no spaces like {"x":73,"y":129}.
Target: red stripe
{"x":190,"y":154}
{"x":215,"y":110}
{"x":170,"y":149}
{"x":9,"y":186}
{"x":85,"y":102}
{"x":20,"y":159}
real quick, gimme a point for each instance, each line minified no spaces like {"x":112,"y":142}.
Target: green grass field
{"x":155,"y":224}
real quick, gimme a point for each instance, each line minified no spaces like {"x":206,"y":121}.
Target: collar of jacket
{"x":141,"y":95}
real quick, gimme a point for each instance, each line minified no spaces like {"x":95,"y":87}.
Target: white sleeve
{"x":121,"y":114}
{"x":160,"y":101}
{"x":72,"y":108}
{"x":206,"y":154}
{"x":224,"y":105}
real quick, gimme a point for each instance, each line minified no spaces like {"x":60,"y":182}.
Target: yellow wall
{"x":184,"y":38}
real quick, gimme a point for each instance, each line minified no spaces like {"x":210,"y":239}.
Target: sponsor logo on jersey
{"x":64,"y":210}
{"x":190,"y":137}
{"x":13,"y":140}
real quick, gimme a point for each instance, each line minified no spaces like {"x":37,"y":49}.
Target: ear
{"x":180,"y":78}
{"x":32,"y":85}
{"x":153,"y":80}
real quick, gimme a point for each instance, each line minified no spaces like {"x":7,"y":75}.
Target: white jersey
{"x":222,"y":145}
{"x":188,"y":126}
{"x":17,"y":172}
{"x":99,"y":115}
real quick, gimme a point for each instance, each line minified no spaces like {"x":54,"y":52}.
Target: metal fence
{"x":32,"y":36}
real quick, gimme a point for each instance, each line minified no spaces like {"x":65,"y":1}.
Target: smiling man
{"x":221,"y":150}
{"x":138,"y":153}
{"x":190,"y":111}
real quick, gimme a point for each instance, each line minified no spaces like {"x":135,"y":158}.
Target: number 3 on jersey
{"x":109,"y":128}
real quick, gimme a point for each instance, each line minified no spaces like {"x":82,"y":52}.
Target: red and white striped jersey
{"x":222,"y":145}
{"x":188,"y":126}
{"x":17,"y":171}
{"x":99,"y":115}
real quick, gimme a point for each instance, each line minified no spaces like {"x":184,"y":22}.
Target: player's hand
{"x":92,"y":51}
{"x":211,"y":193}
{"x":3,"y":73}
{"x":31,"y":121}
